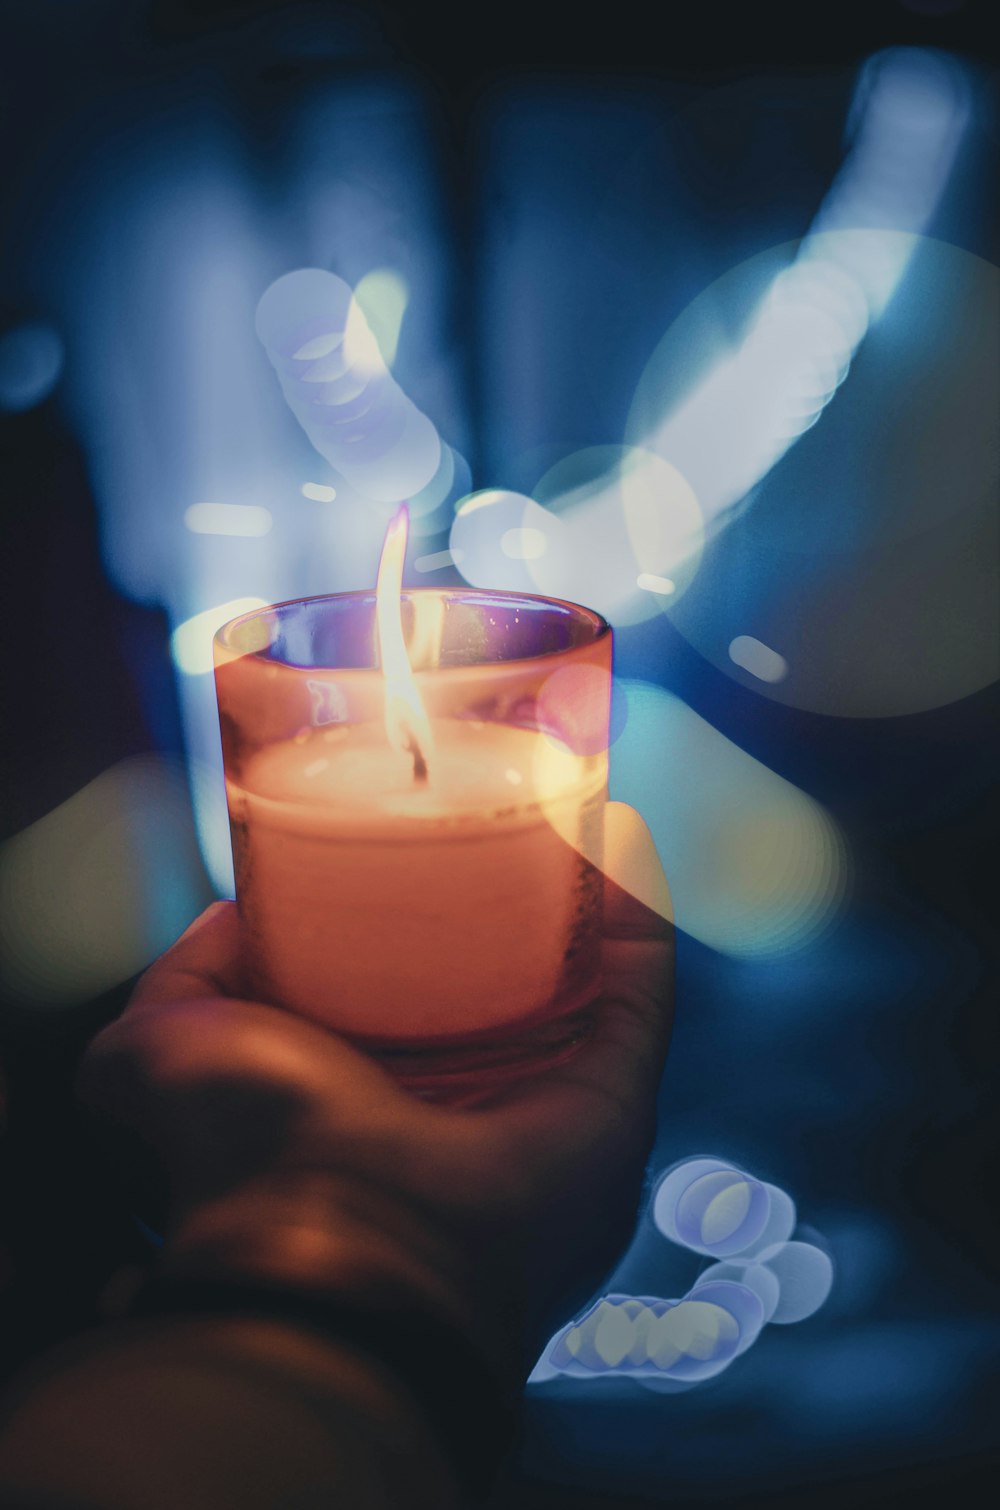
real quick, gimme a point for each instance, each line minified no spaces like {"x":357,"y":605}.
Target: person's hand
{"x":293,"y":1158}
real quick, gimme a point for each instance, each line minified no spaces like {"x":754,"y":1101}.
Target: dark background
{"x":875,"y":1106}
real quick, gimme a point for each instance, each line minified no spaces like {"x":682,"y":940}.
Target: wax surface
{"x":396,"y":909}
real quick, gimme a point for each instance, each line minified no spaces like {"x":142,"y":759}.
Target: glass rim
{"x":601,"y":626}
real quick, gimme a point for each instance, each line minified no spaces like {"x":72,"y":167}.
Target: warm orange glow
{"x":406,"y":722}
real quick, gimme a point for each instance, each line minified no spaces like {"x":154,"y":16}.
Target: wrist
{"x":319,"y":1235}
{"x":268,"y":1412}
{"x":467,"y":1404}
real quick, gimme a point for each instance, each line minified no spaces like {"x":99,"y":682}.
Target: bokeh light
{"x":649,"y":582}
{"x":485,"y":519}
{"x":94,"y":891}
{"x":721,"y":1212}
{"x":780,"y":1224}
{"x":907,"y":119}
{"x":741,"y":1302}
{"x":630,"y":524}
{"x":382,"y":296}
{"x":339,"y":387}
{"x":798,"y":337}
{"x":805,"y":1276}
{"x":630,"y":514}
{"x":31,"y":361}
{"x":431,"y":509}
{"x":690,"y":1336}
{"x":191,"y":641}
{"x":760,"y":660}
{"x":835,"y":586}
{"x":702,"y":437}
{"x":574,"y":704}
{"x":756,"y":867}
{"x":615,"y":527}
{"x":762,"y":1281}
{"x":841,"y":471}
{"x":639,"y":1336}
{"x":227,"y":519}
{"x":319,"y":492}
{"x":709,"y":1206}
{"x":524,"y":544}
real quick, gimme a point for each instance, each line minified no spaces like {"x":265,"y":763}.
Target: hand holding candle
{"x":418,"y":848}
{"x":293,"y":1159}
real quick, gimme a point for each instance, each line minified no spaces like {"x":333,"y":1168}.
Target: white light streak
{"x":757,"y":658}
{"x":725,"y":435}
{"x":649,"y":582}
{"x":908,"y":117}
{"x":319,"y":492}
{"x":227,"y":519}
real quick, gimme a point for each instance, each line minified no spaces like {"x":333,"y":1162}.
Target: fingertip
{"x":215,"y":915}
{"x":205,"y":960}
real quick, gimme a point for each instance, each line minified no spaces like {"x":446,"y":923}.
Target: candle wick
{"x":419,"y":763}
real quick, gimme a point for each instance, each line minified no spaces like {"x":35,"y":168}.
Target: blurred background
{"x":701,"y":304}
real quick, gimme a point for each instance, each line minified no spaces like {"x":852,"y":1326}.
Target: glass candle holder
{"x":447,"y":919}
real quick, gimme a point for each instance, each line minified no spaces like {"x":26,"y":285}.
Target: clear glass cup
{"x":448,"y":920}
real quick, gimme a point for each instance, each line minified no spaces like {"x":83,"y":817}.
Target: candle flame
{"x":406,"y":722}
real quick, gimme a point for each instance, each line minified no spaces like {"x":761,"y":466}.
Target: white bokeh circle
{"x":866,"y":553}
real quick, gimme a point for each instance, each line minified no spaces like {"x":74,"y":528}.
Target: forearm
{"x":303,"y":1341}
{"x":211,"y":1413}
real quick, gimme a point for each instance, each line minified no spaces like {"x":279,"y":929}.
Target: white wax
{"x":396,"y":908}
